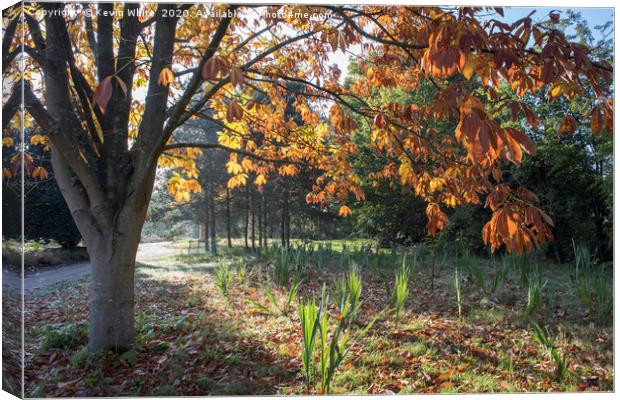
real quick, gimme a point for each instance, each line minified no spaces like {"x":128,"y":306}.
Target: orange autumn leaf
{"x":568,"y":125}
{"x":236,"y":76}
{"x":234,"y":112}
{"x":40,"y":173}
{"x":166,"y":77}
{"x":596,"y":121}
{"x":345,"y":211}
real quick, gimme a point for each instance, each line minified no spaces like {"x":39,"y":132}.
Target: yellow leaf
{"x":7,"y":141}
{"x":37,"y":139}
{"x":233,"y":167}
{"x":237,"y":180}
{"x":260,"y":180}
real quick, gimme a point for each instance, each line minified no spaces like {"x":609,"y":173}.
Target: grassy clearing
{"x":194,"y":340}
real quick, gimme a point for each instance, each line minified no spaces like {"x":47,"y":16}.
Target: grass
{"x":193,"y":340}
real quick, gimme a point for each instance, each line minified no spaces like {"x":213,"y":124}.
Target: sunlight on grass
{"x":183,"y":319}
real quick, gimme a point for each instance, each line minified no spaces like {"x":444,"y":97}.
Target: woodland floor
{"x":192,"y":340}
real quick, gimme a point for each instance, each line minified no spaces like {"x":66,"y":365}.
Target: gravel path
{"x":43,"y":279}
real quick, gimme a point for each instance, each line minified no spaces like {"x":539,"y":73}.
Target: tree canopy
{"x":235,"y":71}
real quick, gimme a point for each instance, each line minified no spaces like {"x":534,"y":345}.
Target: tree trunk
{"x":288,"y":220}
{"x":106,"y":185}
{"x":206,"y":205}
{"x":247,"y":214}
{"x":265,"y":235}
{"x":283,"y":221}
{"x":112,"y":293}
{"x":253,"y":214}
{"x":260,"y":221}
{"x":212,"y":213}
{"x":228,"y":227}
{"x":203,"y":231}
{"x":112,"y":239}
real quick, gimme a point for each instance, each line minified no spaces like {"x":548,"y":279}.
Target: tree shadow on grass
{"x":11,"y":341}
{"x":190,"y":341}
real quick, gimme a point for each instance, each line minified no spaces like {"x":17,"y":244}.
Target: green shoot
{"x":282,"y":268}
{"x":401,"y":292}
{"x":551,"y":350}
{"x":308,"y":315}
{"x":223,"y":277}
{"x":457,"y":286}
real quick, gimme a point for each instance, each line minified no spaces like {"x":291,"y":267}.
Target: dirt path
{"x":146,"y":251}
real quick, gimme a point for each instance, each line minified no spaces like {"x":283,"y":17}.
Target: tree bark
{"x":112,"y":244}
{"x":286,"y":223}
{"x":112,"y":292}
{"x":207,"y":226}
{"x":260,"y":221}
{"x":288,"y":220}
{"x":228,"y":227}
{"x":253,"y":214}
{"x":247,"y":214}
{"x":212,"y":214}
{"x":283,"y":221}
{"x":264,"y":227}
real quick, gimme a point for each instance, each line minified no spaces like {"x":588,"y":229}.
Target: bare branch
{"x":196,"y":79}
{"x":214,"y":89}
{"x":231,"y":150}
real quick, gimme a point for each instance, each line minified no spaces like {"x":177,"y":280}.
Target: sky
{"x":594,"y":16}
